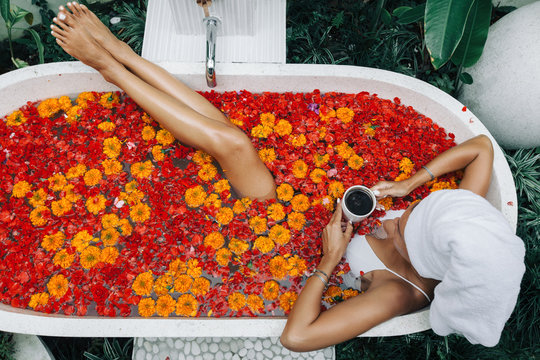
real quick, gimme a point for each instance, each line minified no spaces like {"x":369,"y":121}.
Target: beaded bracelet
{"x":429,"y":172}
{"x":322,"y":272}
{"x":320,"y":278}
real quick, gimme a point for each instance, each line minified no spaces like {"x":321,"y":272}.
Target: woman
{"x":191,"y":118}
{"x":452,"y":235}
{"x":393,"y":286}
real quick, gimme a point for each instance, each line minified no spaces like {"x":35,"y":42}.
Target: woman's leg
{"x":144,"y":69}
{"x":226,"y":143}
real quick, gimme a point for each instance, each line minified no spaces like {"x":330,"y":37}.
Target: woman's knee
{"x":231,"y":143}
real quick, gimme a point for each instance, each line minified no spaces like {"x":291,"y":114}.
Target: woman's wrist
{"x":328,"y":264}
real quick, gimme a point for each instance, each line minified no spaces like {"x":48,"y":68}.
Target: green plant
{"x":7,"y":346}
{"x":131,"y":27}
{"x":113,"y":351}
{"x":12,"y":15}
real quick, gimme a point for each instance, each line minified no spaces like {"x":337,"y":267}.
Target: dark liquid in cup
{"x":358,"y":202}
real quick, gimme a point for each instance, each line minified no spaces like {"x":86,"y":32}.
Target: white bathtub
{"x":69,"y":78}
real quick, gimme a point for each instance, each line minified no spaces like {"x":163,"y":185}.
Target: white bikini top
{"x":362,"y":259}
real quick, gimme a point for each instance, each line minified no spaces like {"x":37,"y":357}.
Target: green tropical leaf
{"x":413,"y":15}
{"x":475,"y":34}
{"x":401,"y":10}
{"x":386,"y":17}
{"x":17,"y":14}
{"x":29,"y":18}
{"x":39,"y":45}
{"x":4,"y":10}
{"x":19,"y":63}
{"x":466,"y":78}
{"x":444,"y":25}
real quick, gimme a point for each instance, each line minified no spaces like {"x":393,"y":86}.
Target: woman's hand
{"x":335,"y":240}
{"x":391,"y":188}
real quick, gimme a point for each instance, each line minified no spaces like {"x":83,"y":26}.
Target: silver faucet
{"x":211,"y":24}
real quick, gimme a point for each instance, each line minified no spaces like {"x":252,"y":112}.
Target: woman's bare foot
{"x":101,"y":33}
{"x":76,"y":41}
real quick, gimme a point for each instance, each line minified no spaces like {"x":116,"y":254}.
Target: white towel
{"x":458,"y":237}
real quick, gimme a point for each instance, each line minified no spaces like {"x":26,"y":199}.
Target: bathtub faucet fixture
{"x":211,"y":24}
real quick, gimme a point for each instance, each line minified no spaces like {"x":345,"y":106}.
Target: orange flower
{"x":111,"y":166}
{"x":355,"y":162}
{"x":143,"y":284}
{"x":264,"y":244}
{"x":109,"y":221}
{"x":268,"y":119}
{"x":279,"y":234}
{"x":58,"y":286}
{"x":95,"y":204}
{"x":241,"y":205}
{"x":442,"y":185}
{"x":69,"y":193}
{"x":345,"y":114}
{"x":221,"y":186}
{"x":140,"y":212}
{"x":187,"y":305}
{"x":53,"y":242}
{"x":84,"y":97}
{"x":299,"y":169}
{"x":76,"y":171}
{"x":278,"y":267}
{"x":109,"y":255}
{"x":287,"y":300}
{"x":283,"y":127}
{"x":147,"y":307}
{"x":39,"y":299}
{"x":201,"y":158}
{"x":73,"y":114}
{"x":182,"y":283}
{"x":215,"y":240}
{"x":21,"y":188}
{"x":344,"y":150}
{"x":223,"y":256}
{"x":326,"y":113}
{"x":332,"y":294}
{"x":300,"y":203}
{"x":213,"y":200}
{"x":63,"y":258}
{"x":336,"y":189}
{"x":386,"y":202}
{"x":297,"y":266}
{"x":177,"y":267}
{"x":320,"y":160}
{"x":267,"y":155}
{"x":112,"y":147}
{"x":238,"y":246}
{"x":48,"y":108}
{"x":296,"y":220}
{"x":158,"y":153}
{"x":92,"y":177}
{"x":257,"y":224}
{"x":224,"y":216}
{"x":38,"y":198}
{"x":164,"y":137}
{"x":125,"y":227}
{"x":350,"y":293}
{"x":200,"y":286}
{"x":165,"y":305}
{"x":406,"y":165}
{"x":285,"y":192}
{"x":276,"y":211}
{"x":57,"y":182}
{"x":142,"y":170}
{"x":255,"y":303}
{"x":193,"y":268}
{"x":271,"y":290}
{"x":16,"y":118}
{"x":106,"y":126}
{"x":107,"y":100}
{"x":261,"y":131}
{"x":148,"y":133}
{"x":109,"y":236}
{"x":207,"y":172}
{"x":81,"y":240}
{"x":297,"y":140}
{"x":61,"y":206}
{"x":317,"y":175}
{"x":195,"y":196}
{"x":90,"y":256}
{"x":163,"y":284}
{"x":236,"y":301}
{"x":39,"y":215}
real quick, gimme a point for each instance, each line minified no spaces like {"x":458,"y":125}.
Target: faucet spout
{"x":211,"y":23}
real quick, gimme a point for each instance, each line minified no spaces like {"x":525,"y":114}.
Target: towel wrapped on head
{"x":458,"y":237}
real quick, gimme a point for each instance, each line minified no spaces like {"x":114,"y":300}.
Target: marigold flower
{"x":148,"y":133}
{"x":350,"y":293}
{"x":369,"y":130}
{"x":344,"y":150}
{"x":158,"y":153}
{"x":283,"y":127}
{"x":223,"y":256}
{"x":300,"y":203}
{"x":109,"y":237}
{"x":322,"y":132}
{"x":264,"y":244}
{"x":268,"y":119}
{"x":317,"y":175}
{"x":112,"y":147}
{"x":287,"y":300}
{"x":386,"y":202}
{"x":73,"y":114}
{"x":53,"y":242}
{"x":163,"y":284}
{"x":267,"y":155}
{"x":299,"y":169}
{"x":81,"y":240}
{"x":182,"y":283}
{"x":92,"y":177}
{"x":193,"y":268}
{"x":285,"y":192}
{"x":236,"y":122}
{"x":241,"y":205}
{"x":200,"y":286}
{"x":297,"y":140}
{"x":95,"y":204}
{"x":255,"y":303}
{"x":257,"y":224}
{"x":69,"y":193}
{"x":147,"y":307}
{"x":326,"y":113}
{"x":406,"y":165}
{"x":48,"y":108}
{"x":297,"y":265}
{"x":58,"y":286}
{"x":16,"y":118}
{"x":125,"y":227}
{"x":63,"y":258}
{"x":236,"y":301}
{"x":201,"y":158}
{"x":215,"y":240}
{"x":296,"y":220}
{"x":39,"y":299}
{"x":336,"y":189}
{"x":146,"y":118}
{"x":140,"y":212}
{"x":164,"y":137}
{"x":76,"y":171}
{"x":187,"y":305}
{"x":320,"y":160}
{"x":143,"y":284}
{"x":39,"y":215}
{"x":107,"y":100}
{"x":270,"y":290}
{"x":195,"y":196}
{"x":165,"y":305}
{"x":261,"y":131}
{"x":443,"y":185}
{"x":207,"y":172}
{"x":402,"y":176}
{"x":221,"y":186}
{"x":355,"y":162}
{"x":238,"y":246}
{"x":57,"y":182}
{"x":279,"y":234}
{"x":61,"y":206}
{"x":326,"y":201}
{"x":90,"y":257}
{"x":106,"y":126}
{"x":332,"y":294}
{"x":142,"y":169}
{"x":279,"y":267}
{"x":20,"y":189}
{"x":84,"y":97}
{"x":38,"y":198}
{"x":65,"y":103}
{"x":276,"y":211}
{"x":109,"y":255}
{"x":177,"y":267}
{"x":224,"y":215}
{"x":345,"y":114}
{"x":111,"y":166}
{"x":213,"y":200}
{"x":109,"y":221}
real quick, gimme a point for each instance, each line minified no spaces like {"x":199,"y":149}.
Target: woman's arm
{"x":308,"y":329}
{"x":475,"y":156}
